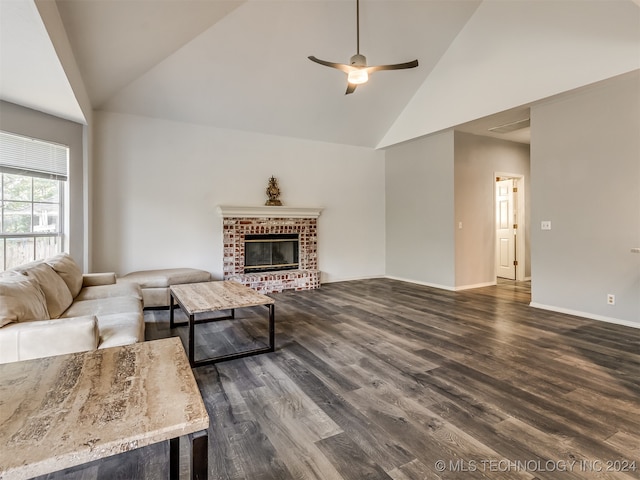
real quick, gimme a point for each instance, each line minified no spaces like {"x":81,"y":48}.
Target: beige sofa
{"x":50,"y":308}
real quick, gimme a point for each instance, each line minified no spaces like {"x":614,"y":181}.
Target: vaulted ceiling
{"x":242,"y":64}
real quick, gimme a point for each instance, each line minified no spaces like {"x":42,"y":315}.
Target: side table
{"x":62,"y":411}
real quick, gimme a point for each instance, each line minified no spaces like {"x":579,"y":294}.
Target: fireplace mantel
{"x":268,"y":212}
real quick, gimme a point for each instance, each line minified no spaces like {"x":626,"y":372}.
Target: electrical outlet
{"x":545,"y":225}
{"x":611,"y":299}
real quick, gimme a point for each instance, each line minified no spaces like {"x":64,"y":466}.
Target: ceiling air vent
{"x":511,"y":127}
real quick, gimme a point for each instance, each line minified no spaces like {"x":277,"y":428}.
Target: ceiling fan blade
{"x":358,"y":71}
{"x":397,"y":66}
{"x":339,"y":66}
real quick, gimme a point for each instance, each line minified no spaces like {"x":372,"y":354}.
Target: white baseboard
{"x":426,"y":284}
{"x":444,"y":287}
{"x":477,"y":285}
{"x":349,"y":279}
{"x":590,"y":316}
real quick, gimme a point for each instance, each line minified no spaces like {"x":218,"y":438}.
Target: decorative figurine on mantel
{"x":273,"y":192}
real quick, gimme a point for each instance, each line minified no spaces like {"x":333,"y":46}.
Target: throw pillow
{"x":53,"y":286}
{"x":21,"y":300}
{"x":10,"y":273}
{"x":68,"y":269}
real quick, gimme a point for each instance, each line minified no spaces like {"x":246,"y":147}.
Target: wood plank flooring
{"x":380,"y":379}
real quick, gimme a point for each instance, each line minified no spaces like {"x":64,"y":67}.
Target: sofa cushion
{"x":120,"y":329}
{"x":108,"y":291}
{"x":55,"y":290}
{"x":155,"y":297}
{"x":21,"y":300}
{"x":103,"y":306}
{"x":24,"y":341}
{"x":68,"y":269}
{"x":98,"y":279}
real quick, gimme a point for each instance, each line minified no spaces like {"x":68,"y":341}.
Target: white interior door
{"x":505,"y":231}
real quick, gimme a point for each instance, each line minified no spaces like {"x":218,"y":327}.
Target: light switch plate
{"x":545,"y":225}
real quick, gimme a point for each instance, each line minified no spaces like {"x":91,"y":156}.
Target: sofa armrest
{"x":45,"y":338}
{"x":96,"y":279}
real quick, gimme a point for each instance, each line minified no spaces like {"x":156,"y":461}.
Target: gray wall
{"x":420,"y":238}
{"x":31,"y":123}
{"x":585,"y":179}
{"x":477,"y":160}
{"x":157,"y":184}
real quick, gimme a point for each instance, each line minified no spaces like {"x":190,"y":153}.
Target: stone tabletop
{"x":57,"y":412}
{"x":221,"y":295}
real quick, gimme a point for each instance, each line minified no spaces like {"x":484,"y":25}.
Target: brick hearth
{"x":241,"y":221}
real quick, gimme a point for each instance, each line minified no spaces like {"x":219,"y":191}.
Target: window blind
{"x":28,"y":156}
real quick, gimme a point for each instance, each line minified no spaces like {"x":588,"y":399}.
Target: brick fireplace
{"x":238,"y":222}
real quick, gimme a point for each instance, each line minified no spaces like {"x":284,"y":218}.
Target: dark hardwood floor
{"x":380,"y":379}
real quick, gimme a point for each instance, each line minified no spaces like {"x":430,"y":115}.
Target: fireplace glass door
{"x":265,"y":253}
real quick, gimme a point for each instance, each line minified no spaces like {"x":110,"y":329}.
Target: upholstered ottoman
{"x":155,"y":283}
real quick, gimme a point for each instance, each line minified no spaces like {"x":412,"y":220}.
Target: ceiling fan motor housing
{"x":359,"y":60}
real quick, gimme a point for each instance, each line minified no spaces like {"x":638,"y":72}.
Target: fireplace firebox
{"x":271,"y":252}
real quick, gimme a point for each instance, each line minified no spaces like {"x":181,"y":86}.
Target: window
{"x":33,"y":176}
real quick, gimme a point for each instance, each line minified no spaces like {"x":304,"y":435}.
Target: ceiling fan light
{"x":358,"y":77}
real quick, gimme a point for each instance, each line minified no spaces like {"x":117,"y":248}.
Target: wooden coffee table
{"x":59,"y":412}
{"x":210,"y":297}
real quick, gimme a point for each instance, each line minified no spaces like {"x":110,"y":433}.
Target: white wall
{"x":585,"y":177}
{"x":157,"y":185}
{"x":512,"y":53}
{"x":434,"y":183}
{"x":420,"y":241}
{"x":477,"y":160}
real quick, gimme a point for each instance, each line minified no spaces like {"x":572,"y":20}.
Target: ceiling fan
{"x":358,"y":71}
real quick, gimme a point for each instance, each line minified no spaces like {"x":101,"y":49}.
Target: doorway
{"x":510,"y":258}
